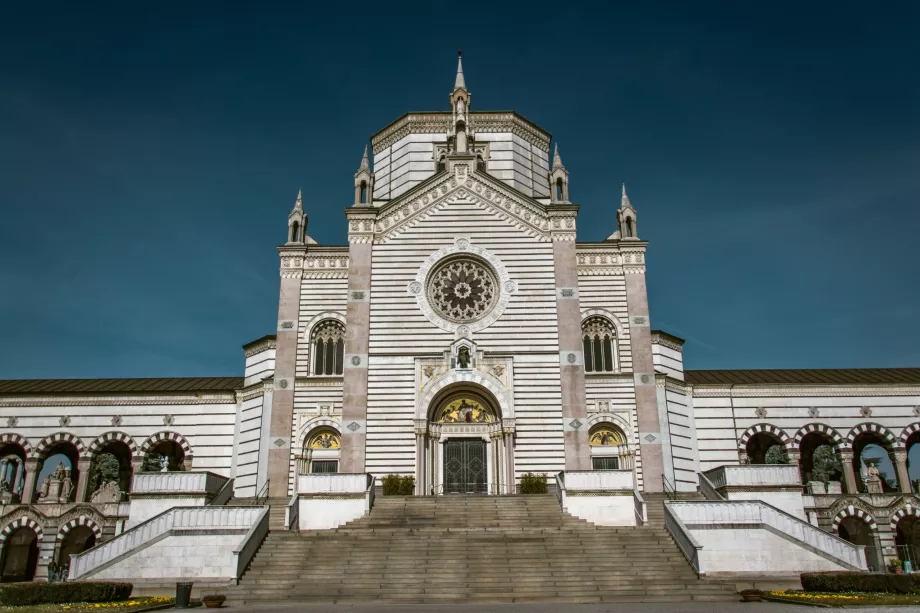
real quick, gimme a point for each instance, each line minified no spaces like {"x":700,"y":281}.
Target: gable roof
{"x":121,"y":386}
{"x":811,"y":376}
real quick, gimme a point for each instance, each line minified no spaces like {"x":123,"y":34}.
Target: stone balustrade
{"x":333,"y":483}
{"x":598,"y":480}
{"x":204,"y":483}
{"x":603,"y":497}
{"x":755,"y":475}
{"x":176,"y":520}
{"x":735,"y":514}
{"x":330,"y":500}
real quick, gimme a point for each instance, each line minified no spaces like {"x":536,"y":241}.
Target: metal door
{"x":465,"y":466}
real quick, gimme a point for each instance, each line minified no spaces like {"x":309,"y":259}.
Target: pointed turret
{"x":459,"y":82}
{"x":364,"y":182}
{"x":297,"y":221}
{"x":461,"y":132}
{"x":626,"y":218}
{"x":558,"y":180}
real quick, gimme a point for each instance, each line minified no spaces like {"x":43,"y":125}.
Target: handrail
{"x":370,"y":493}
{"x":250,"y":544}
{"x":157,"y":526}
{"x":560,"y":489}
{"x":759,"y":512}
{"x":685,"y":541}
{"x":262,"y":496}
{"x":292,"y":513}
{"x":669,"y":489}
{"x":707,"y":489}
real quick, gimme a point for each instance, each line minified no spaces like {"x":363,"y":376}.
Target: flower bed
{"x":843,"y":598}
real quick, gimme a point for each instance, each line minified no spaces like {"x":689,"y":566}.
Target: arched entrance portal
{"x":463,"y":446}
{"x":20,"y":556}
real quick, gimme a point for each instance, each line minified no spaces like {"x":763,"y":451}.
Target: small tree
{"x":105,"y":468}
{"x":153,"y":462}
{"x":776,"y":454}
{"x":826,"y":464}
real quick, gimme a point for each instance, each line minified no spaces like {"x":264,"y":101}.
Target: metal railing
{"x":669,"y":490}
{"x":707,"y":489}
{"x":262,"y":496}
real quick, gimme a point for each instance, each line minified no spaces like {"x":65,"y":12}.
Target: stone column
{"x":20,"y":475}
{"x":509,"y":462}
{"x":281,"y":419}
{"x":640,"y":341}
{"x":33,"y":467}
{"x":83,"y":468}
{"x":849,"y":477}
{"x":571,"y":354}
{"x":900,"y":463}
{"x":354,"y":396}
{"x":420,"y":481}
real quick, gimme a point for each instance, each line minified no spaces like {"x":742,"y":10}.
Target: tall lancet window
{"x":599,"y":339}
{"x":363,"y":192}
{"x":629,"y":227}
{"x":295,"y":232}
{"x":480,"y":164}
{"x":559,"y":197}
{"x":328,"y":345}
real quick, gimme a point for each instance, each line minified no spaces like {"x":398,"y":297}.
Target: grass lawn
{"x":135,"y":604}
{"x":847,"y":598}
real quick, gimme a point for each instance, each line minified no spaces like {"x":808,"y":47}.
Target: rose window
{"x":462,"y":290}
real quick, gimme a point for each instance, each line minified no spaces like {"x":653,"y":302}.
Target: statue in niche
{"x":873,"y":480}
{"x":463,"y":357}
{"x":59,"y":472}
{"x":164,"y":463}
{"x":46,"y":485}
{"x":66,"y":487}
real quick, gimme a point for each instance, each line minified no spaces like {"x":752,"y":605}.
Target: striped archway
{"x":872,"y":428}
{"x":23,"y":522}
{"x":112,"y":437}
{"x":852,"y":511}
{"x":766,"y":429}
{"x":83,"y":520}
{"x":907,"y":432}
{"x":11,"y":438}
{"x":58,"y":437}
{"x":905,"y":511}
{"x":168,"y":436}
{"x":818,"y":428}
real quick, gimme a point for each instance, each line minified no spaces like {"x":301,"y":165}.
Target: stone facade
{"x":464,"y":337}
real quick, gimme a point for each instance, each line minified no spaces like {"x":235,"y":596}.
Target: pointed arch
{"x":611,"y":418}
{"x":58,"y":437}
{"x":167,"y":435}
{"x":818,"y":428}
{"x":451,"y":379}
{"x":83,"y":520}
{"x":852,"y":511}
{"x":317,"y":422}
{"x":11,"y":438}
{"x":113,"y":437}
{"x":25,"y":521}
{"x":766,"y":429}
{"x":907,"y":432}
{"x":871,"y":428}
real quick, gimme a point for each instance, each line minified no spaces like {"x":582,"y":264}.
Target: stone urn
{"x":751,"y":595}
{"x":213,"y":601}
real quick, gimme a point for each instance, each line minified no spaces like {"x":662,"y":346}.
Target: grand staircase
{"x":473,"y":549}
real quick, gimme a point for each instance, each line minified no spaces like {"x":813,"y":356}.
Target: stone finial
{"x":557,"y":159}
{"x":624,"y":199}
{"x":365,"y":161}
{"x":298,"y":204}
{"x":460,"y":82}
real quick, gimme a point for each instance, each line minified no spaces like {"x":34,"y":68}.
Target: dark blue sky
{"x":148,"y":161}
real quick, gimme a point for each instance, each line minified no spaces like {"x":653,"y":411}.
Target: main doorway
{"x":465,"y":468}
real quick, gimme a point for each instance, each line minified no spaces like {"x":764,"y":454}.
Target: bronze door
{"x":465,"y":466}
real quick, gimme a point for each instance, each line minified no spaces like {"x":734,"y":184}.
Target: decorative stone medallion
{"x":12,"y":421}
{"x":760,"y":412}
{"x":866,"y":411}
{"x":462,"y":288}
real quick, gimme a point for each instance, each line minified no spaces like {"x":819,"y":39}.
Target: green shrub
{"x":32,"y":593}
{"x":846,"y":581}
{"x":533,"y":484}
{"x":396,"y":485}
{"x":105,"y":468}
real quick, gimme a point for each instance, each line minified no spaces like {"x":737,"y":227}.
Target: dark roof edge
{"x":267,"y":337}
{"x":669,"y":336}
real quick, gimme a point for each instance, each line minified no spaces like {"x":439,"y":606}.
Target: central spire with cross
{"x":461,"y":131}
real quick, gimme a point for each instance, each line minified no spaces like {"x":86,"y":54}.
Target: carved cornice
{"x":252,"y":391}
{"x":439,"y":123}
{"x":108,"y":400}
{"x":260,"y":346}
{"x":330,"y":265}
{"x":319,"y":381}
{"x":659,"y":339}
{"x":784,"y":391}
{"x":677,"y":386}
{"x":626,"y":377}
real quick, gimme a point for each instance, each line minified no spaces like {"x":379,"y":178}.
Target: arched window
{"x":321,"y":452}
{"x":480,"y":164}
{"x":363,"y":192}
{"x":328,"y":343}
{"x":629,"y":227}
{"x":295,"y":231}
{"x":609,"y":448}
{"x":600,"y":343}
{"x":441,"y":165}
{"x":559,"y":190}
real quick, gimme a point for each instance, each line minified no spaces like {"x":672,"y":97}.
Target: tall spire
{"x":624,"y":200}
{"x":460,"y":82}
{"x":298,"y":204}
{"x":557,"y":159}
{"x":365,"y":162}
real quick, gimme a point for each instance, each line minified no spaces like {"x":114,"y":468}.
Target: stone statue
{"x":59,"y":472}
{"x":107,"y":492}
{"x":873,"y":480}
{"x":46,"y":484}
{"x":164,"y":464}
{"x":463,"y":357}
{"x":66,"y":487}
